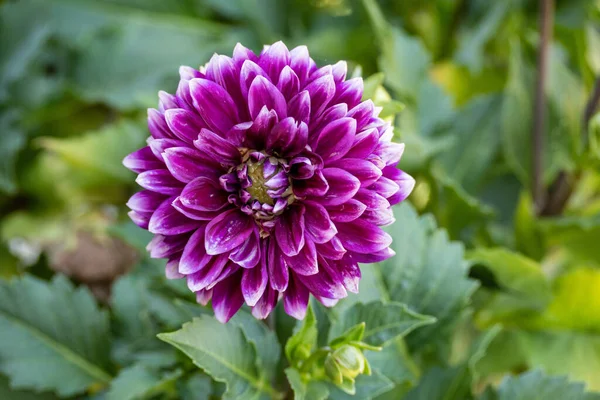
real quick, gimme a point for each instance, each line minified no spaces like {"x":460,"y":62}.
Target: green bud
{"x":350,"y":360}
{"x":333,"y":371}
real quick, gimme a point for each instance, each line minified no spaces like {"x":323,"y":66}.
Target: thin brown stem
{"x":539,"y":107}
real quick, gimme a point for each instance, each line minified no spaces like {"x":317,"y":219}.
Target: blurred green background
{"x":76,"y":78}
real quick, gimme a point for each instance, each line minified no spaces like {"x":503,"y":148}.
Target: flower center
{"x":265,"y":189}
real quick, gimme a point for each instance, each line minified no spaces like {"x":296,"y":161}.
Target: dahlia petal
{"x":184,"y":95}
{"x":385,"y":187}
{"x":142,"y":160}
{"x":184,"y":124}
{"x":299,"y":107}
{"x":208,"y":272}
{"x":406,"y":184}
{"x":390,"y":152}
{"x":165,"y":246}
{"x":229,"y":269}
{"x":227,"y":298}
{"x":194,"y":256}
{"x":305,"y":262}
{"x":160,"y":181}
{"x":317,"y":185}
{"x":321,"y":92}
{"x":288,"y":83}
{"x":364,"y":144}
{"x":263,"y":124}
{"x":289,"y":231}
{"x":372,"y":200}
{"x":274,"y":59}
{"x":171,"y":271}
{"x":141,"y":219}
{"x":349,"y":92}
{"x":186,"y":164}
{"x":342,"y":186}
{"x":188,"y":73}
{"x":214,"y":104}
{"x":203,"y":296}
{"x":278,"y":269}
{"x":241,"y":54}
{"x":336,"y":139}
{"x":204,"y":194}
{"x":339,"y":71}
{"x":166,"y":220}
{"x":222,"y":70}
{"x":191,"y":213}
{"x":249,"y":71}
{"x":333,"y":250}
{"x":366,"y":172}
{"x":287,"y":137}
{"x":227,"y":231}
{"x":265,"y":304}
{"x":249,"y":254}
{"x":346,"y":212}
{"x":300,"y":62}
{"x":166,"y":101}
{"x":145,"y":201}
{"x":327,"y":302}
{"x":157,"y":125}
{"x":377,"y":256}
{"x":362,"y":113}
{"x":301,"y":168}
{"x":362,"y":237}
{"x":158,"y":146}
{"x":323,"y":284}
{"x":295,"y":299}
{"x":254,"y":283}
{"x":379,"y":217}
{"x":220,"y":149}
{"x":264,"y":93}
{"x":319,"y":227}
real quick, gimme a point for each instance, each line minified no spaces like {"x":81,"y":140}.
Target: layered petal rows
{"x":266,"y":178}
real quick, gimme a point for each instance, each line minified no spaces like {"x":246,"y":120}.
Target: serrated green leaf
{"x":304,"y":339}
{"x":313,"y":390}
{"x":139,"y":382}
{"x":428,"y":274}
{"x":226,"y":354}
{"x":52,"y":326}
{"x":536,"y":385}
{"x":384,"y":321}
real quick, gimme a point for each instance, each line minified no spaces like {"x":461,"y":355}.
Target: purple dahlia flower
{"x":267,"y":178}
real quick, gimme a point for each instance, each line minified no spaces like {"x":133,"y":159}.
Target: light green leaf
{"x":536,"y":385}
{"x":384,"y":321}
{"x":577,"y":235}
{"x":301,"y":343}
{"x":367,"y":387}
{"x":226,"y":354}
{"x":396,"y":364}
{"x":52,"y":327}
{"x":313,"y":390}
{"x":593,"y":48}
{"x":139,"y":382}
{"x":428,"y":273}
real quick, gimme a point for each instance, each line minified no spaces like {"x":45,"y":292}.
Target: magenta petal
{"x":332,"y":250}
{"x":157,"y":125}
{"x":265,"y":304}
{"x":248,"y":255}
{"x":289,"y":231}
{"x":220,"y":149}
{"x":165,"y":246}
{"x":339,"y":71}
{"x":203,"y":296}
{"x":241,"y":54}
{"x":372,"y":199}
{"x":254,"y":283}
{"x":263,"y":93}
{"x":227,"y":298}
{"x":257,"y":133}
{"x":365,"y":143}
{"x":295,"y":299}
{"x":346,"y":212}
{"x":299,"y":107}
{"x":319,"y":227}
{"x":278,"y":269}
{"x":390,"y":152}
{"x":145,"y":201}
{"x":187,"y":164}
{"x":142,"y":160}
{"x":250,"y":70}
{"x":323,"y":283}
{"x":188,"y":73}
{"x":274,"y":59}
{"x":171,"y":269}
{"x":166,"y":220}
{"x":350,"y":272}
{"x":160,"y":181}
{"x":321,"y":92}
{"x":300,"y":62}
{"x":287,"y":137}
{"x":288,"y":83}
{"x":204,"y":194}
{"x":315,"y":186}
{"x":222,"y":70}
{"x":342,"y":186}
{"x":185,"y":125}
{"x":194,"y":255}
{"x":336,"y":139}
{"x":349,"y":92}
{"x":159,"y":146}
{"x":305,"y":263}
{"x":208,"y":273}
{"x":374,"y":257}
{"x":366,"y":172}
{"x":385,"y":187}
{"x":406,"y":184}
{"x":214,"y":104}
{"x":141,"y":219}
{"x":330,"y":115}
{"x":192,"y":213}
{"x":362,"y":237}
{"x":362,"y":113}
{"x":228,"y":231}
{"x":379,"y":217}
